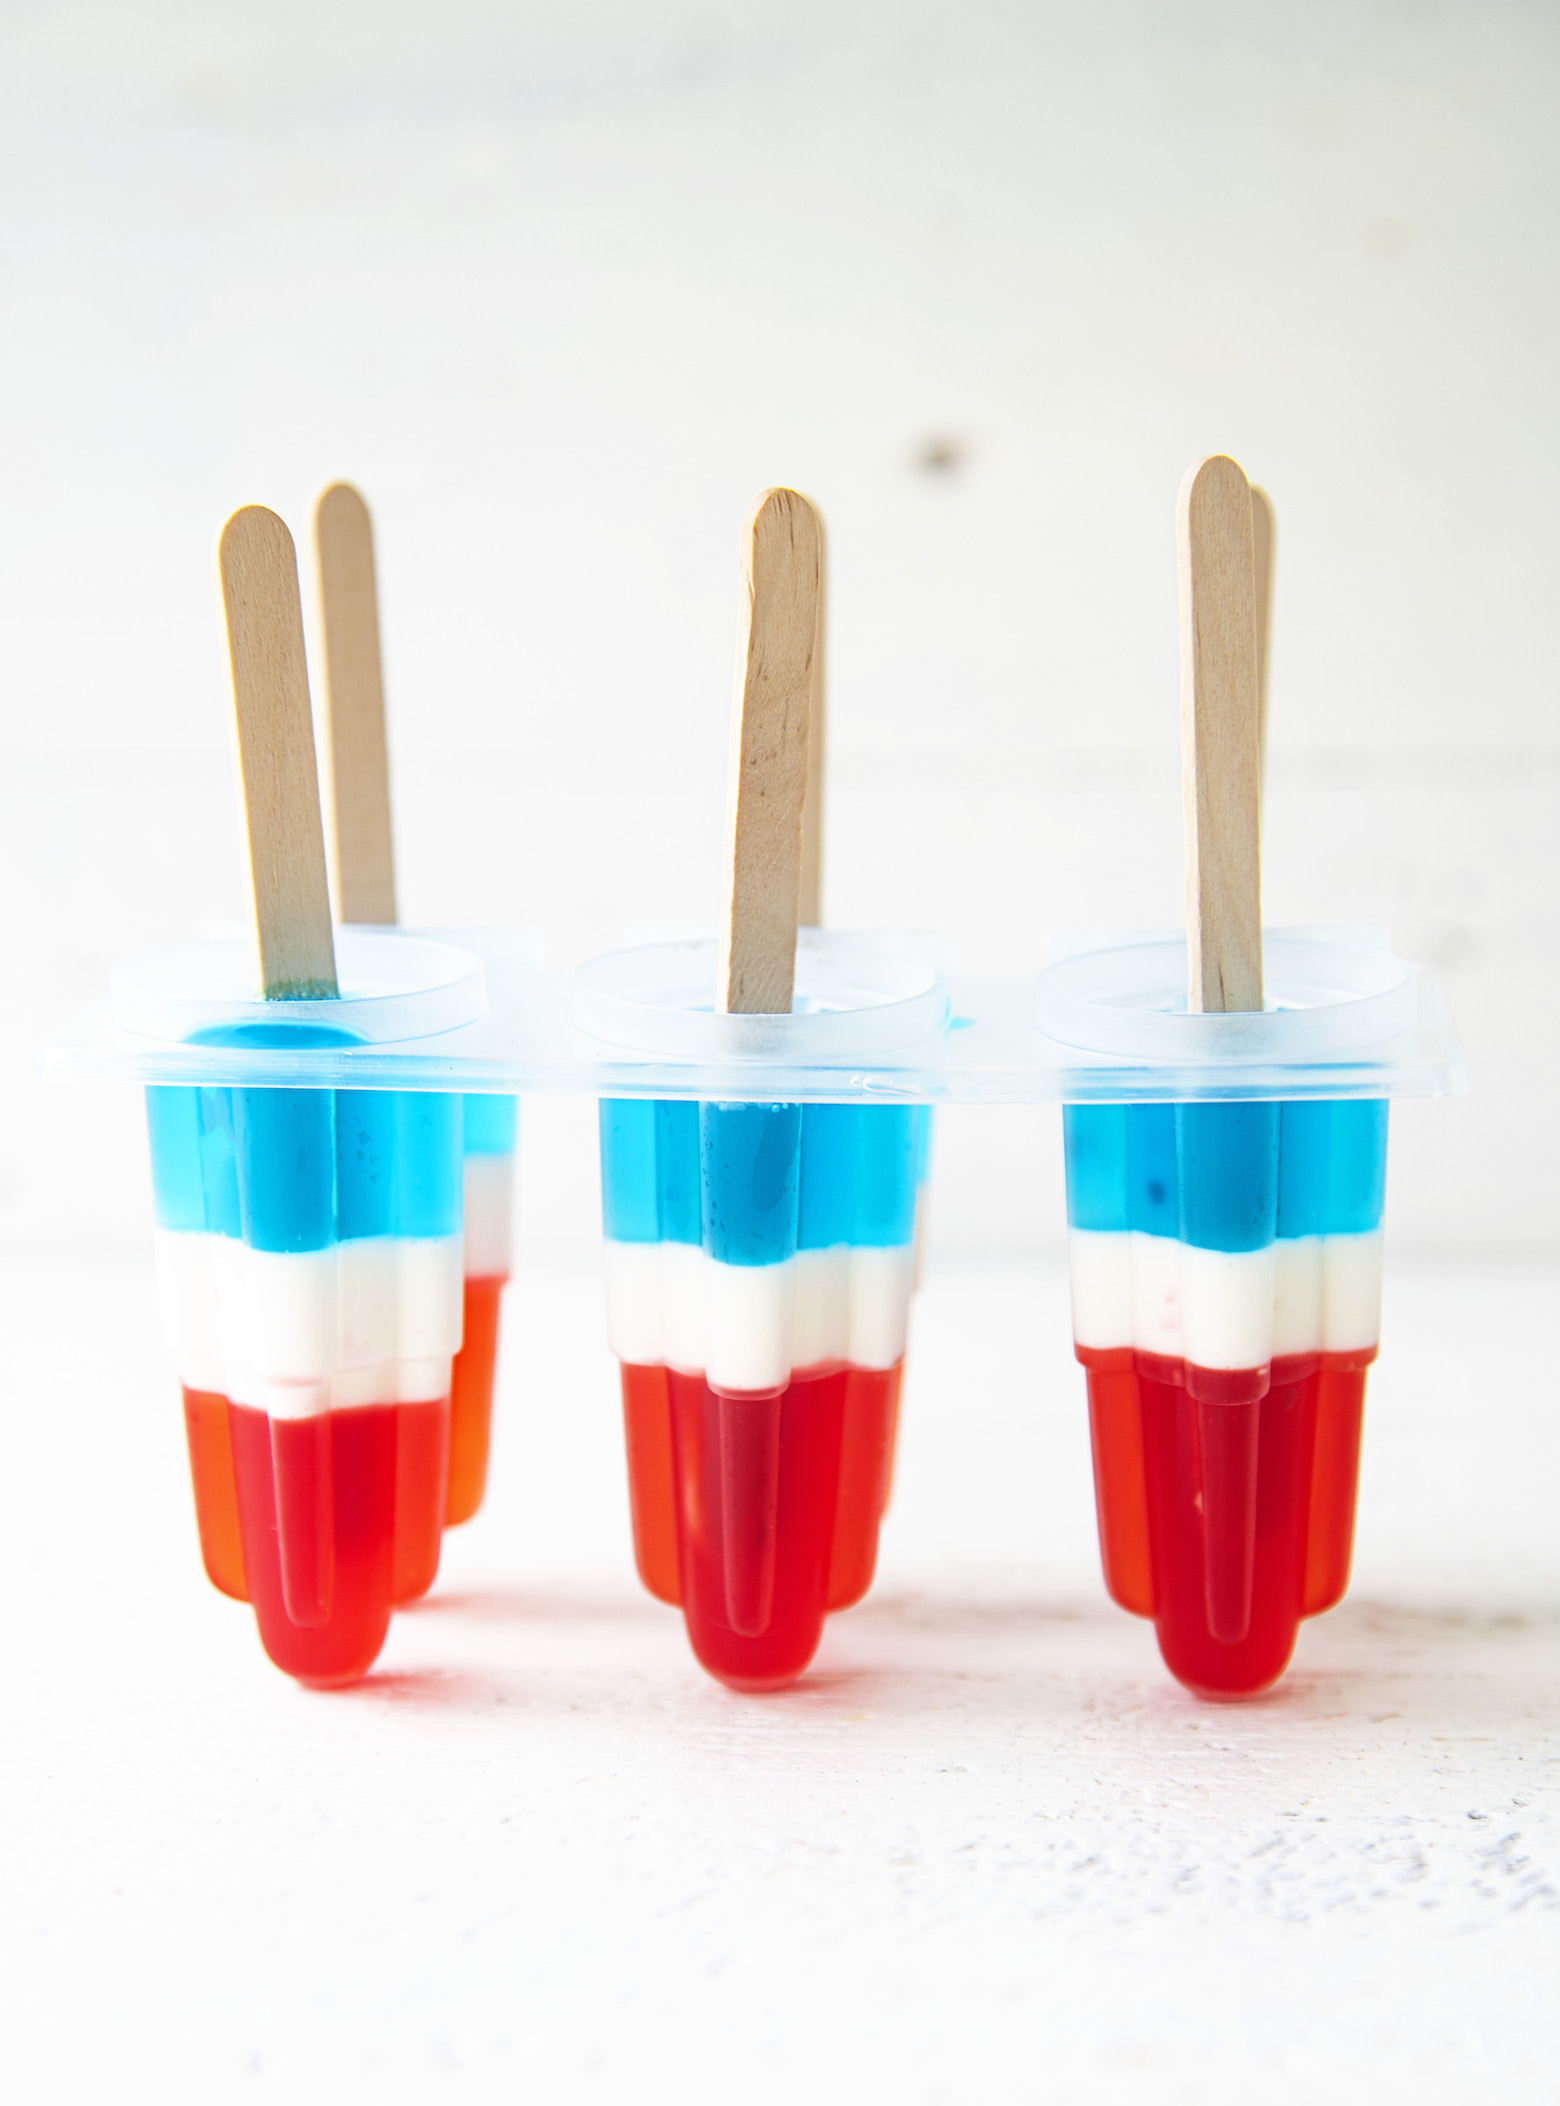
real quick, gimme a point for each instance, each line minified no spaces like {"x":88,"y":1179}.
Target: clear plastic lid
{"x":1344,"y":1017}
{"x":394,"y":987}
{"x":1324,"y":1000}
{"x":873,"y":1018}
{"x":855,"y":997}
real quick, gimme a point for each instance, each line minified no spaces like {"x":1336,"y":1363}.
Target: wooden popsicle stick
{"x":258,"y":567}
{"x":1262,"y":566}
{"x":767,"y":779}
{"x":1220,"y":770}
{"x":810,"y":908}
{"x":355,"y":708}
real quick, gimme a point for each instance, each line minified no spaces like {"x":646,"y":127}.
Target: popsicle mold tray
{"x":322,"y":1167}
{"x":874,"y":1020}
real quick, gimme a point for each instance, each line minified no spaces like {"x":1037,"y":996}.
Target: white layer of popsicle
{"x":746,"y":1327}
{"x":1225,"y":1309}
{"x":490,"y":1207}
{"x":375,"y":1320}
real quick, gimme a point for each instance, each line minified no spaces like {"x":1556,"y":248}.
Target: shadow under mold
{"x":534,"y":1605}
{"x":904,"y":1655}
{"x":433,"y":1689}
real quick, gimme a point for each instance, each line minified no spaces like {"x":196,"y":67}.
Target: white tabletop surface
{"x":986,"y":1850}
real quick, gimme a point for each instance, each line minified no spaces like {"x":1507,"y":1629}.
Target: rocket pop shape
{"x":309,"y":1260}
{"x":1226,"y":1253}
{"x":760,"y":1256}
{"x":1226,"y":1283}
{"x":845,"y":1590}
{"x":365,"y":876}
{"x":759,"y":1268}
{"x":308,"y":1240}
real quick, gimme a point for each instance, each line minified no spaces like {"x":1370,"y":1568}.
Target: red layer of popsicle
{"x":758,"y":1515}
{"x":471,"y":1399}
{"x":216,"y":1494}
{"x":322,"y":1523}
{"x":1225,"y":1515}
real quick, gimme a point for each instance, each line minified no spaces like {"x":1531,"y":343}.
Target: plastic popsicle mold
{"x":309,"y":1256}
{"x":1226,"y":1255}
{"x":760,"y":1259}
{"x":879,"y":1030}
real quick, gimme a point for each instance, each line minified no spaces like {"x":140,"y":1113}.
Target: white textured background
{"x":561,"y":286}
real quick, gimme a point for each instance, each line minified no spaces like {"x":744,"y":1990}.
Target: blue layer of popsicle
{"x":297,"y":1170}
{"x":1226,"y":1232}
{"x":759,"y":1189}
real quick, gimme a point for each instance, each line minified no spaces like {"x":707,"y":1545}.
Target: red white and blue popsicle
{"x":309,"y":1240}
{"x":760,"y":1256}
{"x":1226,"y":1252}
{"x":365,"y":882}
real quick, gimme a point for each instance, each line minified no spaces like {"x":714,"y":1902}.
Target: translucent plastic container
{"x":1226,"y":1254}
{"x":309,"y":1259}
{"x":760,"y":1260}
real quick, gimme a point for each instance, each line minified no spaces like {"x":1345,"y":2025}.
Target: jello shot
{"x":1226,"y":1258}
{"x":759,"y":1266}
{"x":309,"y":1265}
